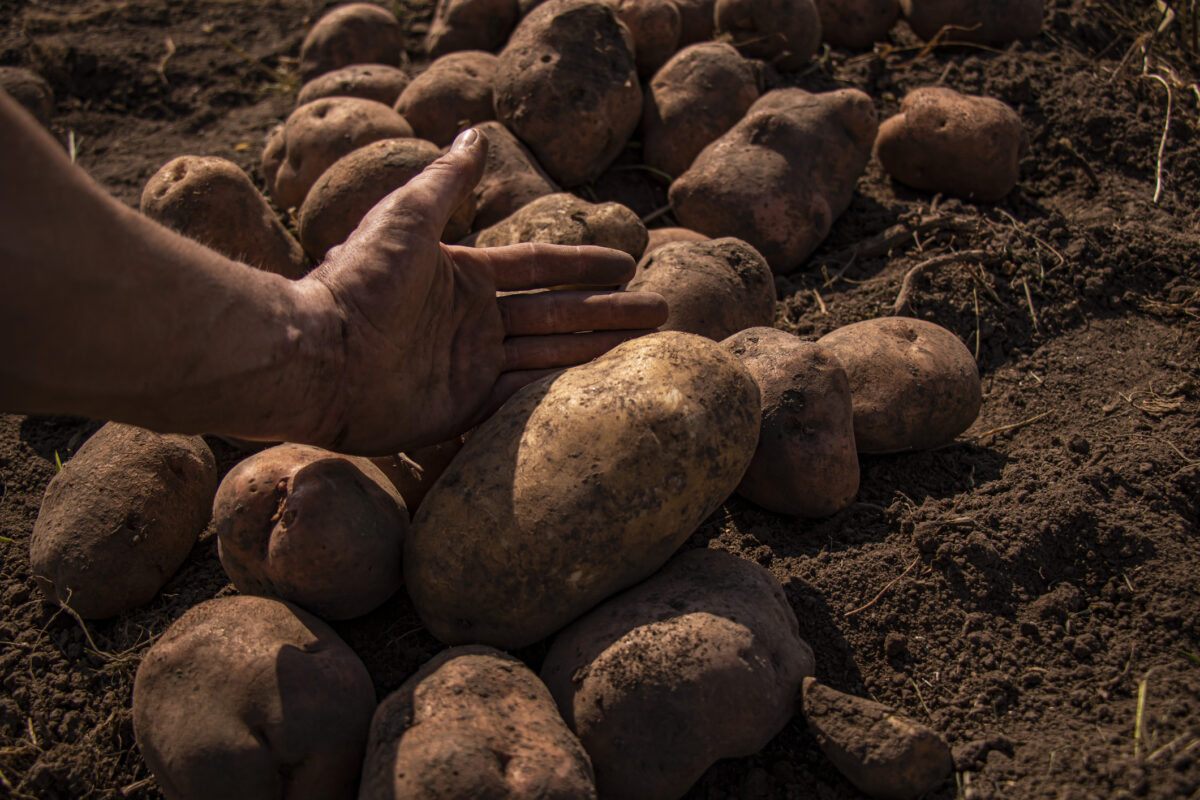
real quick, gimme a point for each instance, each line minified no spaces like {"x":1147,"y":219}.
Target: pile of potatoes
{"x":560,"y":518}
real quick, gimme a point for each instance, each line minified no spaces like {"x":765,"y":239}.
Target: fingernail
{"x":465,"y":140}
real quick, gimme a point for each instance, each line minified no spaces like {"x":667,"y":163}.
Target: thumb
{"x":432,"y":196}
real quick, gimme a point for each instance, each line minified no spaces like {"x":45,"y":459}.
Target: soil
{"x":1031,"y":591}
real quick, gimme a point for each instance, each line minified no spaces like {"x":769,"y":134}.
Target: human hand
{"x":421,"y":346}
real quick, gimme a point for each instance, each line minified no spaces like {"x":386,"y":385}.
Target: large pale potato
{"x":584,"y":483}
{"x":212,"y":201}
{"x":314,"y":528}
{"x":986,"y":21}
{"x":512,"y":178}
{"x":567,"y":87}
{"x":473,"y":723}
{"x":784,"y":33}
{"x":378,"y":82}
{"x":252,"y":698}
{"x":857,"y":24}
{"x":781,"y":176}
{"x":713,"y":288}
{"x":563,"y":218}
{"x":805,"y":463}
{"x":120,"y":518}
{"x":356,"y":33}
{"x":914,"y":384}
{"x":700,"y":662}
{"x":452,"y":94}
{"x":470,"y":25}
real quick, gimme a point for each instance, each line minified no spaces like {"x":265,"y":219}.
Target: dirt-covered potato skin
{"x":698,"y":663}
{"x":914,"y":384}
{"x":657,"y":237}
{"x":120,"y":518}
{"x":30,"y":90}
{"x":567,"y":87}
{"x":473,"y":722}
{"x":983,"y":21}
{"x":314,"y":528}
{"x":210,"y":200}
{"x":470,"y":25}
{"x":512,"y":178}
{"x":956,"y":144}
{"x":699,"y":94}
{"x":713,"y":288}
{"x":414,"y":473}
{"x":805,"y":464}
{"x":452,"y":94}
{"x":784,"y":33}
{"x":379,"y":82}
{"x":252,"y":698}
{"x":319,"y":133}
{"x":655,"y":26}
{"x":780,"y":177}
{"x":563,"y":218}
{"x":857,"y":24}
{"x":584,"y":483}
{"x":696,"y":21}
{"x":356,"y":33}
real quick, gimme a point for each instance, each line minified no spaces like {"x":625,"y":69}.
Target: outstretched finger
{"x":570,"y":311}
{"x":536,"y":265}
{"x":561,"y":350}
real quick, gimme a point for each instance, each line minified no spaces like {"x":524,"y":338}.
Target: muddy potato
{"x":698,"y":663}
{"x":211,"y":201}
{"x":655,"y":26}
{"x":318,"y":134}
{"x":985,"y":21}
{"x":805,"y":464}
{"x":470,"y":25}
{"x":563,"y":218}
{"x":857,"y":24}
{"x":914,"y":384}
{"x":357,"y":33}
{"x":252,"y":698}
{"x":120,"y":518}
{"x":512,"y":178}
{"x":781,"y":176}
{"x":30,"y":90}
{"x":378,"y":82}
{"x":473,"y":723}
{"x":955,"y":144}
{"x":583,"y":484}
{"x":314,"y":528}
{"x":784,"y":33}
{"x":696,"y":21}
{"x":713,"y":288}
{"x":657,"y":237}
{"x":567,"y":87}
{"x":452,"y":94}
{"x":414,"y":473}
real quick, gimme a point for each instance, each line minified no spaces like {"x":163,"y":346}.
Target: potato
{"x":351,"y":187}
{"x":857,"y":24}
{"x":696,"y":20}
{"x":914,"y":384}
{"x":563,"y":218}
{"x":512,"y":179}
{"x":251,"y":698}
{"x":378,"y":82}
{"x":473,"y":723}
{"x":314,"y":528}
{"x":30,"y":90}
{"x":655,"y":26}
{"x":657,"y":237}
{"x":784,"y":33}
{"x":120,"y":518}
{"x":319,"y":133}
{"x":713,"y":288}
{"x":955,"y":144}
{"x":567,"y":87}
{"x":698,"y":95}
{"x":414,"y":473}
{"x":700,"y":662}
{"x":470,"y":25}
{"x":357,"y":33}
{"x":983,"y":21}
{"x":805,"y":464}
{"x":212,"y":201}
{"x":781,"y":176}
{"x":583,"y":484}
{"x":452,"y":94}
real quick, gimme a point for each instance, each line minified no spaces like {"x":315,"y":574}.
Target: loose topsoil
{"x":1031,"y":591}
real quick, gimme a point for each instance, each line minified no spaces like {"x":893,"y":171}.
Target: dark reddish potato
{"x":566,"y":219}
{"x":914,"y":384}
{"x":212,"y":201}
{"x":378,"y":82}
{"x":251,"y":698}
{"x":30,"y":90}
{"x":955,"y":144}
{"x":311,"y":527}
{"x":452,"y":94}
{"x":357,"y":33}
{"x":857,"y":24}
{"x":470,"y":25}
{"x":657,"y":237}
{"x":698,"y":95}
{"x":414,"y":473}
{"x":120,"y":518}
{"x":784,"y":33}
{"x":986,"y":21}
{"x":805,"y":464}
{"x":512,"y":179}
{"x":473,"y":723}
{"x":655,"y":26}
{"x":696,"y":20}
{"x":567,"y":87}
{"x":713,"y":288}
{"x":700,"y":662}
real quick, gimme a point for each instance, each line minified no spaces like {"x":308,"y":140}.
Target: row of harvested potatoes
{"x":560,"y":516}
